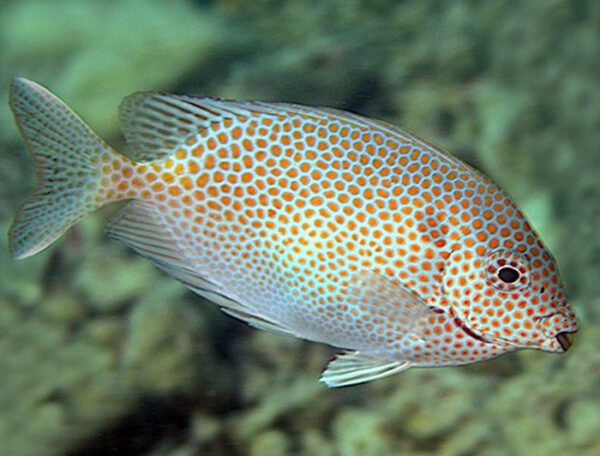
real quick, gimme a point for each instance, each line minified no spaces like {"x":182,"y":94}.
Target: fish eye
{"x":508,"y":274}
{"x":507,"y":271}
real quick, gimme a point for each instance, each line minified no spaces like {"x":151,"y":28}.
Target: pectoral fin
{"x":351,"y":368}
{"x":385,"y":297}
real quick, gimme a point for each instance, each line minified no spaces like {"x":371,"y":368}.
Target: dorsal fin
{"x":155,"y":123}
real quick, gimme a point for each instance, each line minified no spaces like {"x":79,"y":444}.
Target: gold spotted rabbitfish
{"x":310,"y":222}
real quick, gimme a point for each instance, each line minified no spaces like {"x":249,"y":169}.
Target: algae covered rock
{"x":68,"y":368}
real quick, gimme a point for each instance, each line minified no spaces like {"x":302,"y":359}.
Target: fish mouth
{"x":565,"y":340}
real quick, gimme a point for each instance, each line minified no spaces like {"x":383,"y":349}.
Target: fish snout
{"x":559,"y":343}
{"x":559,"y":328}
{"x":565,"y":340}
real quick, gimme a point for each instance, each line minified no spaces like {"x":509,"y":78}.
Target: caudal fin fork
{"x":67,"y":155}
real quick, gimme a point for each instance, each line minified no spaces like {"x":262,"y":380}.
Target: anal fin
{"x":260,"y":322}
{"x":140,"y":226}
{"x":351,"y":368}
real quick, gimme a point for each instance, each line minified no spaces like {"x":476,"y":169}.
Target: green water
{"x":100,"y":353}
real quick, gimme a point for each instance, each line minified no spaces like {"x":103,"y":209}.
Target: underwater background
{"x":101,"y":353}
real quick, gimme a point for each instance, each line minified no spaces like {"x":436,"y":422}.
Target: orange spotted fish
{"x":310,"y":222}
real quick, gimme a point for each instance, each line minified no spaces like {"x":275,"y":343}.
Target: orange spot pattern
{"x":288,"y":210}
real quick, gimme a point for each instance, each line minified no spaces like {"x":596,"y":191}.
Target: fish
{"x":306,"y":221}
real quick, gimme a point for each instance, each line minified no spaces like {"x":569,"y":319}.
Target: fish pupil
{"x":508,"y":274}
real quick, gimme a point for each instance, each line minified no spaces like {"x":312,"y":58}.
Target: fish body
{"x":310,"y":222}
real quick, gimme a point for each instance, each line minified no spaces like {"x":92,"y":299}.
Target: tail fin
{"x":67,"y":156}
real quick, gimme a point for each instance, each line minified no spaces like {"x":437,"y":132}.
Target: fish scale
{"x":327,"y":226}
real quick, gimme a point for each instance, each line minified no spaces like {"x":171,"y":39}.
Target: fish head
{"x":510,"y":296}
